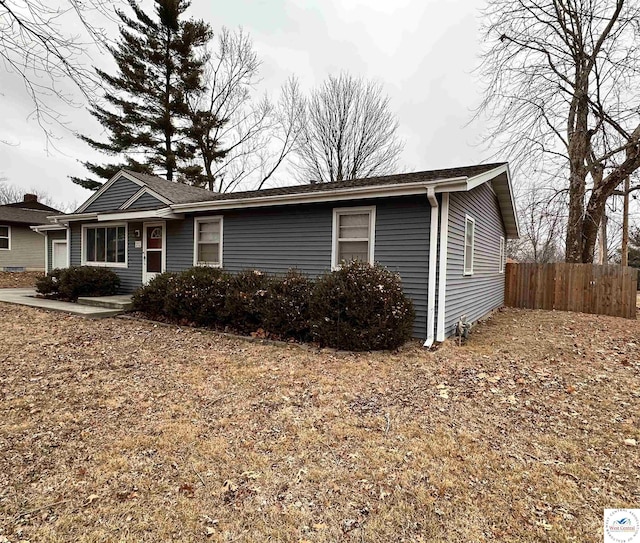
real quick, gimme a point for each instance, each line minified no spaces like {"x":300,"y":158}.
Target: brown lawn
{"x":118,"y":430}
{"x":19,"y":279}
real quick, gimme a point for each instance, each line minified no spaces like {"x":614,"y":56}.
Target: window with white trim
{"x":105,"y":245}
{"x":469,"y":242}
{"x":502,"y":254}
{"x":5,"y":238}
{"x":353,"y":234}
{"x":208,"y":242}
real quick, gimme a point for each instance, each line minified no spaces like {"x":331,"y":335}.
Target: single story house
{"x":443,"y":231}
{"x":22,"y":249}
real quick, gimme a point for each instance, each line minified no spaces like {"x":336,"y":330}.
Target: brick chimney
{"x":30,"y":198}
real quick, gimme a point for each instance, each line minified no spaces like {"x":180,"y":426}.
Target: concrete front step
{"x":27,"y":296}
{"x":117,"y":303}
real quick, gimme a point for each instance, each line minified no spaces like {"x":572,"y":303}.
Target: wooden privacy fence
{"x":588,"y":288}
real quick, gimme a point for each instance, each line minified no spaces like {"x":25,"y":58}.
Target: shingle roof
{"x":176,"y":193}
{"x":179,"y":193}
{"x":415,"y":177}
{"x":38,"y":206}
{"x":24,"y":216}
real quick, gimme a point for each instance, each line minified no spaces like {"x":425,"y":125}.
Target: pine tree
{"x":160,"y":63}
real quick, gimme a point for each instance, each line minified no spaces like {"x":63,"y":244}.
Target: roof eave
{"x":351,"y":193}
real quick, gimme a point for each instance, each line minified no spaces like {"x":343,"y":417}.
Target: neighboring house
{"x":443,"y":231}
{"x":22,"y":249}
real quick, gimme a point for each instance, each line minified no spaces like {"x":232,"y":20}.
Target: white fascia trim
{"x":144,"y":190}
{"x":40,"y":228}
{"x":337,"y":211}
{"x":105,"y":187}
{"x":442,"y":285}
{"x":164,"y":213}
{"x":478,"y":180}
{"x":196,"y":222}
{"x":63,"y":219}
{"x":383,"y":191}
{"x":513,"y":204}
{"x":433,"y":256}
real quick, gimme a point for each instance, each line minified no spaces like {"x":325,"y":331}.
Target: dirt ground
{"x":19,"y":279}
{"x":119,"y":430}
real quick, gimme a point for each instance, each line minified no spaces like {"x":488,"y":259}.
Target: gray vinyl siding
{"x":276,"y":239}
{"x":477,"y":294}
{"x":131,"y":276}
{"x":27,"y":249}
{"x":53,"y":235}
{"x":146,"y":201}
{"x":402,"y":245}
{"x":116,"y":195}
{"x":179,"y":245}
{"x":280,"y":238}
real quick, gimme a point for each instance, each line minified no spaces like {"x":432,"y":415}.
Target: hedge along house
{"x":443,"y":231}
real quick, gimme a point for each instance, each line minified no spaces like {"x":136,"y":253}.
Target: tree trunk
{"x":578,"y":150}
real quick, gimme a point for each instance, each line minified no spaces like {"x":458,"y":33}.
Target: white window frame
{"x":337,"y":213}
{"x":468,"y":270}
{"x":503,"y":250}
{"x":196,"y":230}
{"x":83,"y":252}
{"x":8,"y":227}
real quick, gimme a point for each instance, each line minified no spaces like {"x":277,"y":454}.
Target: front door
{"x":153,"y":247}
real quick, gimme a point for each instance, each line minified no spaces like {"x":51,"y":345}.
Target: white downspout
{"x":433,"y":257}
{"x":46,"y":252}
{"x":442,"y":283}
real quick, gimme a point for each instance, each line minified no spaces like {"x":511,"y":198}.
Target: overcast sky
{"x":422,"y":51}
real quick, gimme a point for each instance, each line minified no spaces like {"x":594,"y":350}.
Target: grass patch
{"x":117,"y":430}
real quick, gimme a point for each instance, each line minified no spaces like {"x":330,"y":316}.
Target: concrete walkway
{"x":26,"y":296}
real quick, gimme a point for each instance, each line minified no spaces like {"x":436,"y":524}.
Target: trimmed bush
{"x":360,"y":308}
{"x":48,"y":284}
{"x":150,"y":298}
{"x":286,"y":307}
{"x":245,"y":301}
{"x":71,"y":283}
{"x":197,"y":295}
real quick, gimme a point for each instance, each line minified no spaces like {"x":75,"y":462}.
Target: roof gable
{"x":111,"y":195}
{"x":123,"y":186}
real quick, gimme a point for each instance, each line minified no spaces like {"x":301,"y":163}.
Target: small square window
{"x":353,"y":235}
{"x":208,"y":242}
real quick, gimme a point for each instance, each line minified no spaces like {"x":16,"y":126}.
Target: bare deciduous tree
{"x":561,"y":89}
{"x":541,"y":217}
{"x":238,"y":136}
{"x":45,"y":43}
{"x":349,"y":132}
{"x":10,"y":194}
